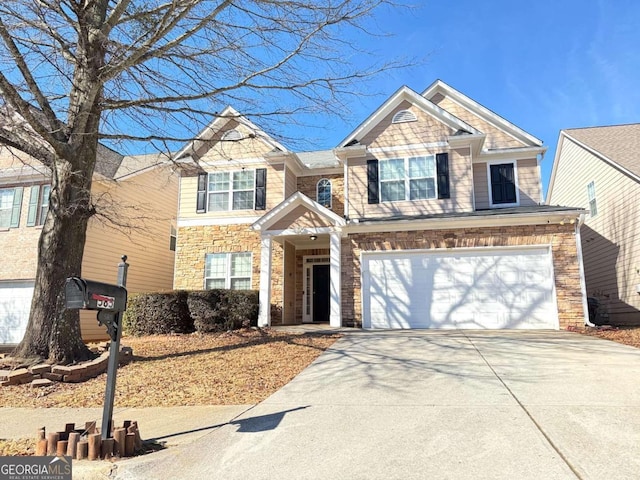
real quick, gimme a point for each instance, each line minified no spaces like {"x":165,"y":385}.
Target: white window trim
{"x":515,"y":178}
{"x":330,"y":192}
{"x":231,"y":190}
{"x":40,"y":218}
{"x":10,"y":209}
{"x":228,"y":277}
{"x":594,"y":199}
{"x":407,"y":179}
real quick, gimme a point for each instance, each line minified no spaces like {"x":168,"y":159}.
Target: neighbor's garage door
{"x":15,"y":303}
{"x":459,"y":289}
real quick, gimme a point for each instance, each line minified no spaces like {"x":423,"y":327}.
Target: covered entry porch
{"x":309,"y":239}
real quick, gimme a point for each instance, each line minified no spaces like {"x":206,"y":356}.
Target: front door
{"x":321,"y":293}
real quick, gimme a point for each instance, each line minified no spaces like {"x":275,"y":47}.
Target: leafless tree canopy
{"x":76,"y":72}
{"x":166,"y":66}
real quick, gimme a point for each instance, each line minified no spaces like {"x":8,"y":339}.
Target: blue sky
{"x":543,"y":65}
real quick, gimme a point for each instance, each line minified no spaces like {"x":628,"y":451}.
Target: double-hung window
{"x":10,"y":205}
{"x":231,"y":190}
{"x":593,"y":204}
{"x":228,"y":270}
{"x":412,"y":178}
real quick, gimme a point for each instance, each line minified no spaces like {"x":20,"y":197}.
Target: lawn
{"x":231,"y":368}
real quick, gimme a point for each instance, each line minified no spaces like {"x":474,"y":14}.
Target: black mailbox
{"x":90,"y":295}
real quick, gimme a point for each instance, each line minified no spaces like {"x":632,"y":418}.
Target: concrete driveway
{"x":433,"y":405}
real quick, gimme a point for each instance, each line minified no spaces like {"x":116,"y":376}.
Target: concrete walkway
{"x":419,"y":405}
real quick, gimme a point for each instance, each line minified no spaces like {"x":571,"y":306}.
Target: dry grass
{"x":625,"y":335}
{"x":21,"y":447}
{"x":234,"y":368}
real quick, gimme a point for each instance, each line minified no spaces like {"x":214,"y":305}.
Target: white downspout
{"x":583,"y":283}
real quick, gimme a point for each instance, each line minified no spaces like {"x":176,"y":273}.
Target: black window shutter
{"x":372,"y":181}
{"x":261,"y":188}
{"x":503,"y":186}
{"x":442,"y":171}
{"x":202,"y":193}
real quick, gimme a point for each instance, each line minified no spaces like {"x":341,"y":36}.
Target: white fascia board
{"x":402,"y":94}
{"x":440,"y":87}
{"x":291,"y":203}
{"x":209,"y":221}
{"x":510,"y":154}
{"x":355,"y":151}
{"x":556,"y":159}
{"x":462,"y":222}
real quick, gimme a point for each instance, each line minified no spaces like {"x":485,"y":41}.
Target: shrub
{"x":158,"y":313}
{"x":220,"y":310}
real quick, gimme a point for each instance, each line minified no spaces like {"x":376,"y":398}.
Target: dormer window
{"x":232,"y":136}
{"x":404,"y":116}
{"x":323,"y":191}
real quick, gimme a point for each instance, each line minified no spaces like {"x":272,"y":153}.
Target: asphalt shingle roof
{"x":619,"y":143}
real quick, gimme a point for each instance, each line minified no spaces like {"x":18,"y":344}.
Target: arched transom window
{"x":324,"y":192}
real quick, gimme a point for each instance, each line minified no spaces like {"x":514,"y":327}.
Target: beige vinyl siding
{"x":290,"y":182}
{"x":528,"y":183}
{"x":189,"y":190}
{"x":19,"y":246}
{"x":425,"y":130}
{"x":460,"y":180}
{"x":218,"y":150}
{"x":147,"y":203}
{"x":496,"y":138}
{"x":611,"y":239}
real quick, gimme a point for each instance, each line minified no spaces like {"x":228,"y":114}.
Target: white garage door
{"x":15,"y":303}
{"x":459,"y":289}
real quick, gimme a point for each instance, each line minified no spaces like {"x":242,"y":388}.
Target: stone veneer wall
{"x":308,"y":186}
{"x":561,"y":238}
{"x":193,"y":243}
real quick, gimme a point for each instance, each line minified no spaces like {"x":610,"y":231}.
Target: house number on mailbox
{"x":104,"y":301}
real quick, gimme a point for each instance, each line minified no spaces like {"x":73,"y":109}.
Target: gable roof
{"x":218,"y":124}
{"x":440,"y":87}
{"x":620,"y":144}
{"x":404,"y":93}
{"x":290,"y":204}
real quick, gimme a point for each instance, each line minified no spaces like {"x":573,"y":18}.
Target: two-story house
{"x":598,"y":168}
{"x":428,"y":215}
{"x":137,"y":196}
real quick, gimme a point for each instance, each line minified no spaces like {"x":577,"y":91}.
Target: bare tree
{"x":77,"y":72}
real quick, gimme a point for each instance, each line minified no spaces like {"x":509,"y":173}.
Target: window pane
{"x":216,"y":266}
{"x":214,"y":283}
{"x":243,"y":200}
{"x":420,"y":167}
{"x":6,"y":207}
{"x":44,"y":206}
{"x":219,"y":182}
{"x":243,"y":180}
{"x":422,"y":189}
{"x":241,"y":265}
{"x":218,"y":201}
{"x":392,"y":169}
{"x":240,"y":284}
{"x":392,"y":191}
{"x":324,"y":193}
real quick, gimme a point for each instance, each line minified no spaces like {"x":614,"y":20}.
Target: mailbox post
{"x":110,"y":301}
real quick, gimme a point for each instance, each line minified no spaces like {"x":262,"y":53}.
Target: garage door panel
{"x":15,"y":304}
{"x":470,"y":289}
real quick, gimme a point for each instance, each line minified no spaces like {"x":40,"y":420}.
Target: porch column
{"x":264,"y":315}
{"x":335,"y":316}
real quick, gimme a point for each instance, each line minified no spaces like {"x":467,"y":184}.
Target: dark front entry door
{"x":321,"y":293}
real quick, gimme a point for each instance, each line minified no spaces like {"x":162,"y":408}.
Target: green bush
{"x":186,"y":311}
{"x":158,"y":313}
{"x":220,"y":310}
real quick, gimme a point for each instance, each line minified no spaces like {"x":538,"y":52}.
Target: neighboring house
{"x":428,"y":215}
{"x":137,"y":192}
{"x":598,"y":169}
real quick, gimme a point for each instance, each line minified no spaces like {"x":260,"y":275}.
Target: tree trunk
{"x":53,"y":332}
